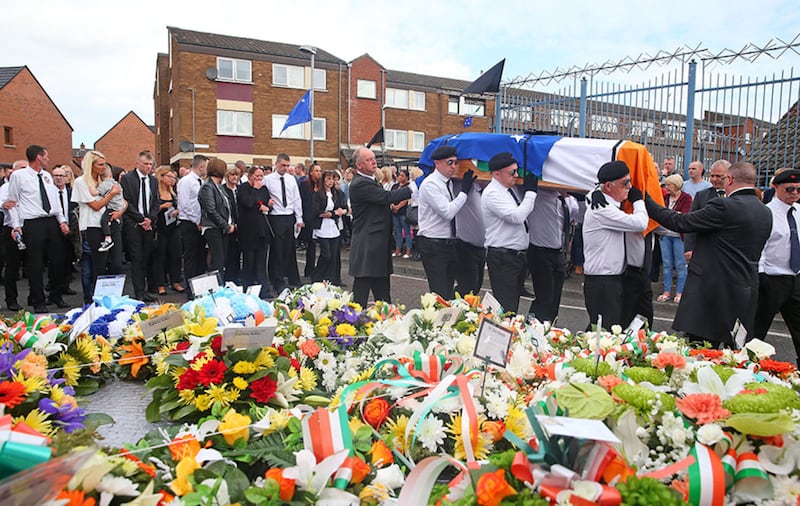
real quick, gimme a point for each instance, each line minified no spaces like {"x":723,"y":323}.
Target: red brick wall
{"x":161,"y":102}
{"x":365,"y":113}
{"x":34,"y":119}
{"x":123,"y":142}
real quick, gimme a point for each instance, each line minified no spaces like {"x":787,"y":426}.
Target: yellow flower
{"x":201,"y":360}
{"x":240,"y":383}
{"x":203,"y":402}
{"x":56,"y":393}
{"x":482,"y":444}
{"x":279,"y":419}
{"x":244,"y":367}
{"x":264,"y":358}
{"x":105,"y":349}
{"x":345,"y":329}
{"x":185,"y":468}
{"x":234,"y":426}
{"x":397,"y":432}
{"x":308,"y":379}
{"x":203,"y":328}
{"x":187,"y":396}
{"x":356,"y":306}
{"x":89,"y":351}
{"x":38,"y":420}
{"x":220,"y":394}
{"x":355,"y":424}
{"x":374,"y":494}
{"x":324,"y":321}
{"x":517,"y":423}
{"x":322,"y":330}
{"x":71,"y":370}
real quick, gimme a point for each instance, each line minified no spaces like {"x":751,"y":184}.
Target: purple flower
{"x":67,"y":416}
{"x":346,"y":314}
{"x":8,"y":358}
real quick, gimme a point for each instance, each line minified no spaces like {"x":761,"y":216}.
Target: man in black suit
{"x":140,"y":190}
{"x":717,"y":176}
{"x":371,"y":245}
{"x":68,"y":208}
{"x":722,"y":285}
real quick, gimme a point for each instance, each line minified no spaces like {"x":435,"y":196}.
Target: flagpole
{"x":312,"y":51}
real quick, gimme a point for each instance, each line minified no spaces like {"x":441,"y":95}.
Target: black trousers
{"x":13,"y":262}
{"x":637,"y":295}
{"x":329,"y":264}
{"x":168,"y":255}
{"x":99,"y":259}
{"x":380,"y":287}
{"x":440,"y":260}
{"x":217,"y":242}
{"x":469,"y":268}
{"x":141,"y":245}
{"x":778,"y":294}
{"x":507,"y":272}
{"x":603,"y":296}
{"x":233,"y":259}
{"x":254,"y":264}
{"x":194,"y":252}
{"x":44,"y":240}
{"x":311,"y":251}
{"x":282,"y":253}
{"x":66,"y":264}
{"x":115,"y":253}
{"x":548,"y":268}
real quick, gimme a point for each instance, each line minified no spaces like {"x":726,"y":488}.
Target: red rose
{"x":216,"y":346}
{"x":264,"y":389}
{"x":376,"y":412}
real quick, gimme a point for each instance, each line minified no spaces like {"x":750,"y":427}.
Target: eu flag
{"x":301,"y":112}
{"x":468,"y":122}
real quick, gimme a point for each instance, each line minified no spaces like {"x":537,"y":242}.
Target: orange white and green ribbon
{"x":706,"y":477}
{"x":325,"y":433}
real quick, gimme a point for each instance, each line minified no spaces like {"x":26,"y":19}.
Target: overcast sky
{"x":96,"y":59}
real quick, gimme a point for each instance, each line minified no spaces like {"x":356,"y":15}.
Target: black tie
{"x":721,"y":193}
{"x":453,"y":221}
{"x":143,"y":196}
{"x":566,"y":222}
{"x":61,"y":199}
{"x":43,"y":194}
{"x":514,"y":196}
{"x":794,"y":243}
{"x":283,"y":192}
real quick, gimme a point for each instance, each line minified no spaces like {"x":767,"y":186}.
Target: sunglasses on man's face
{"x":791,"y":189}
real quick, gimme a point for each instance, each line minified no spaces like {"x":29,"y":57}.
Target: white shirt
{"x":469,"y":220}
{"x":7,"y":213}
{"x":436,"y":208}
{"x":775,"y":256}
{"x":546,"y":221}
{"x":504,"y":219}
{"x":144,"y":197}
{"x":87,"y":217}
{"x":327,"y":228}
{"x":604,"y":236}
{"x":294,"y":205}
{"x":188,"y":205}
{"x":23,"y":188}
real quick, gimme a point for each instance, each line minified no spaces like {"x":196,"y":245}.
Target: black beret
{"x":501,"y":161}
{"x":443,"y":152}
{"x":611,"y":171}
{"x":787,"y":176}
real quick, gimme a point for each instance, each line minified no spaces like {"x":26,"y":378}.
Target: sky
{"x":96,"y":59}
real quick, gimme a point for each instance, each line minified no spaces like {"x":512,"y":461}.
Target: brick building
{"x":234,"y":94}
{"x":122,"y":142}
{"x":29,"y":116}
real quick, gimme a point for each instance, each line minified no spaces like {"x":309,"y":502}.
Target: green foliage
{"x":642,"y":398}
{"x":647,"y":492}
{"x":587,"y":367}
{"x":757,"y":400}
{"x":761,"y":424}
{"x":649,"y":374}
{"x":270,"y":449}
{"x":585,"y":400}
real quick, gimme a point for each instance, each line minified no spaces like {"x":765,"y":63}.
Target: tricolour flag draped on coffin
{"x":563,"y":161}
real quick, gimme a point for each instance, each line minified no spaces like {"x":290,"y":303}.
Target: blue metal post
{"x":689,"y":140}
{"x":582,"y":119}
{"x":498,"y":107}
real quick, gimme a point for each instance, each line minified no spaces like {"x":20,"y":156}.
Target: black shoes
{"x":40,"y":309}
{"x":58,"y":302}
{"x":13,"y":306}
{"x":145,"y":298}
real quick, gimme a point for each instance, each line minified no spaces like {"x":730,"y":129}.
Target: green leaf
{"x":87,"y":387}
{"x":152,"y":413}
{"x":184,"y":412}
{"x":160,"y":382}
{"x":585,"y":401}
{"x":761,"y":424}
{"x":95,"y":420}
{"x":237,"y":484}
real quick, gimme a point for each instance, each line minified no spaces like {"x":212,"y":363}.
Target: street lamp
{"x":312,"y":51}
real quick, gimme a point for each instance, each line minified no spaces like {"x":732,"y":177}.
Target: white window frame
{"x":301,"y":131}
{"x":295,"y":76}
{"x":605,"y":124}
{"x":320,"y":125}
{"x":237,"y":66}
{"x":453,"y":101}
{"x":467,"y":106}
{"x":393,"y":136}
{"x":563,"y":118}
{"x":639,"y":127}
{"x":241,"y":123}
{"x":394,"y":98}
{"x":413,"y":98}
{"x":320,"y":75}
{"x":366,"y":88}
{"x":417,"y":141}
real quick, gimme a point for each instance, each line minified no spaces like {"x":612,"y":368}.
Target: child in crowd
{"x":116,"y":203}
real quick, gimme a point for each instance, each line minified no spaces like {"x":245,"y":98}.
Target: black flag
{"x":488,"y":82}
{"x":377,"y":138}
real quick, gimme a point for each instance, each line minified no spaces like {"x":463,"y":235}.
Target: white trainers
{"x":106,"y":245}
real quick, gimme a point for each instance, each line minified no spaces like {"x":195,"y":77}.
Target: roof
{"x":411,"y":79}
{"x":7,"y":74}
{"x":149,"y":127}
{"x":213,"y":40}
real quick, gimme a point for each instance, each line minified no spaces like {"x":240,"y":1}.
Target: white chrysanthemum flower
{"x":466,"y":345}
{"x":325,"y":361}
{"x":430,"y":433}
{"x":710,"y":434}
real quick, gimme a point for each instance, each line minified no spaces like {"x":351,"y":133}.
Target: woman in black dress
{"x":254,"y":232}
{"x":168,"y":234}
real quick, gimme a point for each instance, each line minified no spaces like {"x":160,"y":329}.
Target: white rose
{"x":710,"y":434}
{"x":616,"y":330}
{"x":760,"y":348}
{"x":465,"y":345}
{"x":390,"y":477}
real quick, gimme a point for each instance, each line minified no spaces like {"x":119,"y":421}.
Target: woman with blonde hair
{"x":168,"y":234}
{"x":91,"y":210}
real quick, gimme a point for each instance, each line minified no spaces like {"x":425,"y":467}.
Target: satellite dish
{"x":211,"y":73}
{"x":186,"y":146}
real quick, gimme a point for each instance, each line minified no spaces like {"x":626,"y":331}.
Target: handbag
{"x":412,"y":215}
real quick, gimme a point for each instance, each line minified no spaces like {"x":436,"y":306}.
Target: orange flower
{"x":707,"y":354}
{"x":360,"y":470}
{"x":381,"y":454}
{"x":682,"y":488}
{"x":472,"y":300}
{"x":776,"y":366}
{"x":184,"y":446}
{"x":664,"y":360}
{"x":310,"y":348}
{"x":147,"y":468}
{"x":76,"y":498}
{"x":609,"y":381}
{"x":494,"y":429}
{"x":705,"y":408}
{"x":493,"y":488}
{"x":376,"y":412}
{"x":135,"y":356}
{"x":34,"y":366}
{"x":12,"y":393}
{"x":286,"y":484}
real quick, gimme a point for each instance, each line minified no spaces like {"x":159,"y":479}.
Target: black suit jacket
{"x":318,"y":204}
{"x":131,"y":187}
{"x":253,"y":224}
{"x":371,"y":243}
{"x":699,"y":200}
{"x":722,"y":283}
{"x":214,"y":207}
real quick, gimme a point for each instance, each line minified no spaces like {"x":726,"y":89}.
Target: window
{"x":8,"y":136}
{"x":366,"y":89}
{"x":320,"y":79}
{"x":290,"y":76}
{"x":397,"y":139}
{"x":466,"y":106}
{"x":605,"y":124}
{"x":417,"y":141}
{"x":674,"y":129}
{"x":452,"y":105}
{"x":417,"y":100}
{"x":397,"y":98}
{"x":229,"y":69}
{"x":234,"y":123}
{"x":564,"y":119}
{"x":297,"y":131}
{"x":642,"y":128}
